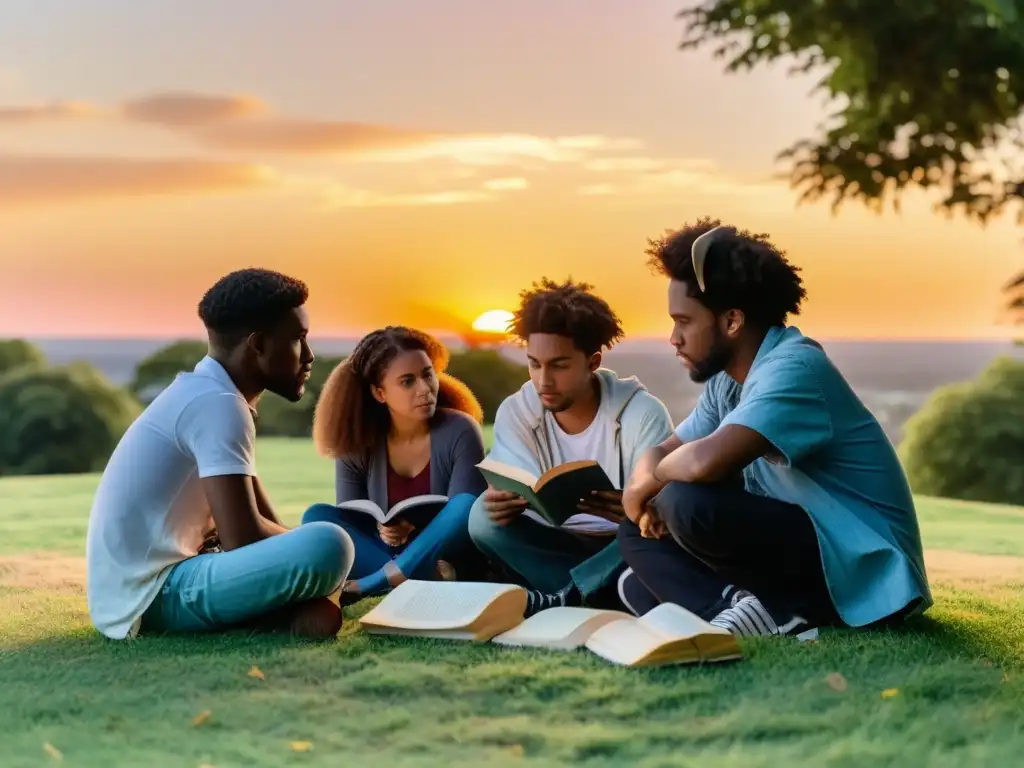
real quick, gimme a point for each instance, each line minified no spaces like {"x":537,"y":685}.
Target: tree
{"x":491,"y":376}
{"x":60,"y":420}
{"x":928,"y":94}
{"x":158,"y":370}
{"x":15,"y":352}
{"x":966,"y":442}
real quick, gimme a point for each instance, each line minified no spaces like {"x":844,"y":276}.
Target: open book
{"x":483,"y":612}
{"x":554,"y":495}
{"x":418,"y":510}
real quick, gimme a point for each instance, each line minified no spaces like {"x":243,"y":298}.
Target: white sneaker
{"x":747,"y":617}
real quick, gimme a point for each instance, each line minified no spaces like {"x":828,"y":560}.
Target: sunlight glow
{"x":494,"y":321}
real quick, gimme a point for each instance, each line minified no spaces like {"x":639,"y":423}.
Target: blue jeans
{"x":227,"y":589}
{"x":545,"y":557}
{"x":446,"y":536}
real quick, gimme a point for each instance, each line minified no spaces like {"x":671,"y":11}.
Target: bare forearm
{"x":264,"y":507}
{"x":713,"y":458}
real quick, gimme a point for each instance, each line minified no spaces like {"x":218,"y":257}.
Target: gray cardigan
{"x":456,"y":447}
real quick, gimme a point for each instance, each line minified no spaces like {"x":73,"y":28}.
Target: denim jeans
{"x":446,"y":536}
{"x":545,"y":557}
{"x":228,"y":589}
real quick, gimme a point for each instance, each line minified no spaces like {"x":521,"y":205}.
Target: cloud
{"x":40,"y":113}
{"x":508,"y":184}
{"x":641,"y":175}
{"x":46,"y":179}
{"x":303,"y":137}
{"x":337,"y":196}
{"x":181,"y":109}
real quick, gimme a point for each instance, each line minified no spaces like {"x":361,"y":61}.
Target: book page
{"x":505,"y":470}
{"x":430,"y":499}
{"x":435,"y":604}
{"x":366,"y":506}
{"x":630,"y":642}
{"x":564,"y":628}
{"x":673,"y":622}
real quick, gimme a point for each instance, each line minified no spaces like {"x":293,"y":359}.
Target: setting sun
{"x":494,"y":321}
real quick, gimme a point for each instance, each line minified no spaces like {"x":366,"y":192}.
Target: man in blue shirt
{"x":778,"y":504}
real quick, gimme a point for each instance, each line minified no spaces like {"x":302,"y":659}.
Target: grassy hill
{"x":944,"y":691}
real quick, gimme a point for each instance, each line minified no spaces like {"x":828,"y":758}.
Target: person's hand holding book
{"x":503,"y":506}
{"x":395,"y":533}
{"x":606,"y":504}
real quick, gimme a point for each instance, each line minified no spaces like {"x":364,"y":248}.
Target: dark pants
{"x":721,"y":536}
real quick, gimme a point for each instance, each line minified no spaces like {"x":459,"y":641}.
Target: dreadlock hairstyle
{"x":742,"y":270}
{"x":566,"y":309}
{"x":349,"y":420}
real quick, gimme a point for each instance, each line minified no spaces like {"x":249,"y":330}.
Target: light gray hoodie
{"x":524,"y":437}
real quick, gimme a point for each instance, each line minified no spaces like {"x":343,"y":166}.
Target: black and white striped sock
{"x":746,"y":618}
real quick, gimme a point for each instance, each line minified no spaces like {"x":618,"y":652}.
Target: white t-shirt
{"x":586,"y":446}
{"x":150,"y":512}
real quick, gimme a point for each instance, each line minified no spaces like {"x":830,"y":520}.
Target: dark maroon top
{"x":401,"y":488}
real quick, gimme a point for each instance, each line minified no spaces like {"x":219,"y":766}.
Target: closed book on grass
{"x":666,"y":635}
{"x":556,"y":494}
{"x":418,"y":510}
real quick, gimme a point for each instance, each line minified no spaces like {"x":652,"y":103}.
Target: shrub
{"x":158,"y":370}
{"x":490,"y":375}
{"x":60,"y":420}
{"x":17,"y":352}
{"x":967,"y":441}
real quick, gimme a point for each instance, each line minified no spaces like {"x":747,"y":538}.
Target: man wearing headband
{"x":778,"y":505}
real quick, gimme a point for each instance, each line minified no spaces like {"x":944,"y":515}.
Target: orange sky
{"x":420,"y":163}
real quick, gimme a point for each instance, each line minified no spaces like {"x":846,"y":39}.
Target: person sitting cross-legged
{"x":399,"y":426}
{"x":571,"y":409}
{"x":187,"y":466}
{"x":778,"y":505}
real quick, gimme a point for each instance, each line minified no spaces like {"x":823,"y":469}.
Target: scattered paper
{"x":301,"y":746}
{"x":890,"y":693}
{"x":257,"y":673}
{"x":836,"y":681}
{"x":201,"y":718}
{"x":53,"y":752}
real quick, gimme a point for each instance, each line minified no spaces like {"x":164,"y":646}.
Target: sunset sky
{"x":420,"y":162}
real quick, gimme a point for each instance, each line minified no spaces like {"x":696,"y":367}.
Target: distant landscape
{"x":892,"y":378}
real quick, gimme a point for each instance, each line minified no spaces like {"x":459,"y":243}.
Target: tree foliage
{"x":15,"y":352}
{"x":490,"y":375}
{"x":159,"y":369}
{"x":926,"y":93}
{"x":967,"y":442}
{"x":60,"y":420}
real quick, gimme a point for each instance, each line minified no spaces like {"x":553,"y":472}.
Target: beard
{"x":714,"y":361}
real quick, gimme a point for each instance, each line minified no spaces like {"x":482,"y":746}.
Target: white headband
{"x":699,"y":252}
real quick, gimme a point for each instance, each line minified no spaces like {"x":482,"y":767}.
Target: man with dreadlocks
{"x":571,"y":409}
{"x":778,"y":505}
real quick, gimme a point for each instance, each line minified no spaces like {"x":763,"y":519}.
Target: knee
{"x":627,"y":536}
{"x":317,"y":513}
{"x":681,"y":505}
{"x":482,"y":530}
{"x":461,"y":505}
{"x":329,"y":553}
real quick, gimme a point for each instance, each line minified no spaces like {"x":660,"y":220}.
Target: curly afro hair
{"x":742,"y":270}
{"x":349,"y":421}
{"x":249,"y":300}
{"x":567,"y":309}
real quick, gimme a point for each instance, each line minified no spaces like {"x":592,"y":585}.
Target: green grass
{"x":959,"y":673}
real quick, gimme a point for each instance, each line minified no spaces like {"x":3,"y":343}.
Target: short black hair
{"x":566,"y":309}
{"x":247,"y":301}
{"x":743,"y":271}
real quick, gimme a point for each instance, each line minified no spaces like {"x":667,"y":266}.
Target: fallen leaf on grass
{"x":257,"y":673}
{"x":53,"y":752}
{"x":516,"y":750}
{"x":301,"y":746}
{"x":201,"y":718}
{"x":836,"y":681}
{"x":890,"y":693}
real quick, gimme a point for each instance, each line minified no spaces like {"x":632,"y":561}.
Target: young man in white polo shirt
{"x":188,"y":462}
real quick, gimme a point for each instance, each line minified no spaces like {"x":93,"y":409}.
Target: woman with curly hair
{"x":398,"y":426}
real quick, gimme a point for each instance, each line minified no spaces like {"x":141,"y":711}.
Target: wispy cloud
{"x":42,"y":113}
{"x":337,"y":196}
{"x":282,"y":136}
{"x":182,"y":109}
{"x":507,"y":184}
{"x":47,"y":179}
